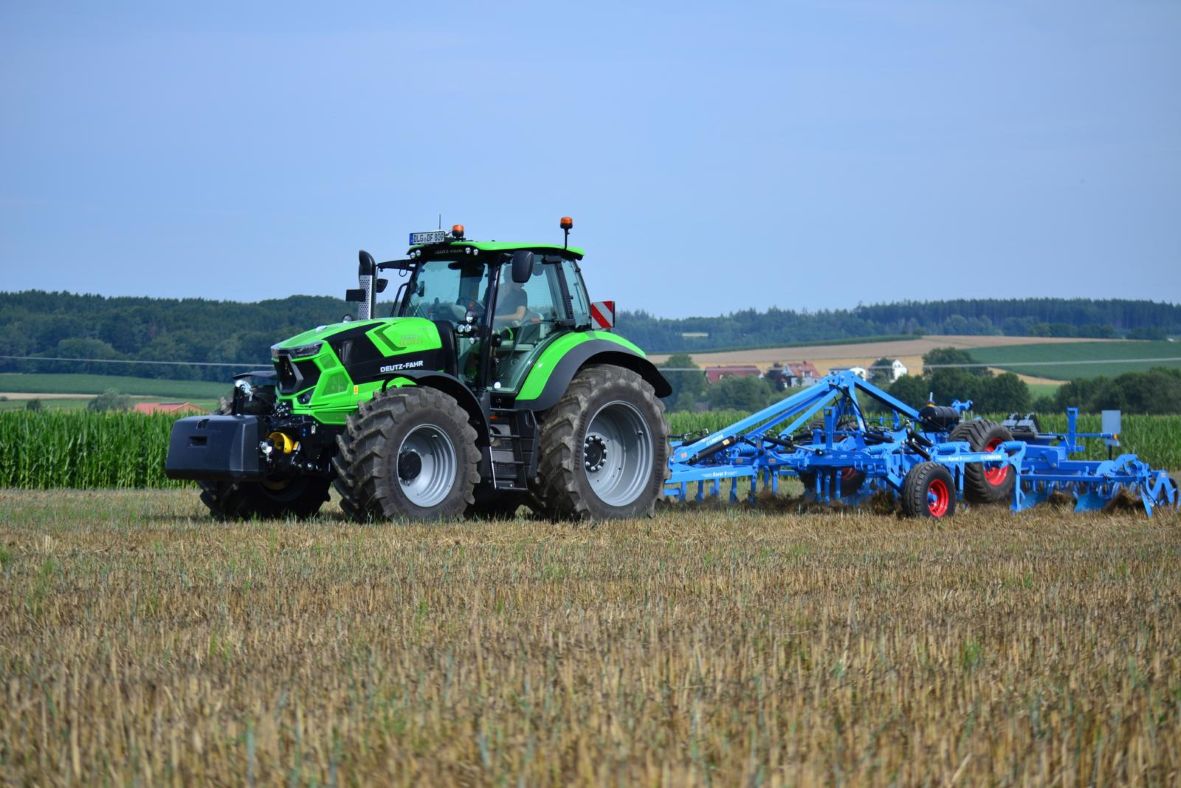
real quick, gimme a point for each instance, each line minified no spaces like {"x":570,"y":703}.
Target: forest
{"x":101,"y":329}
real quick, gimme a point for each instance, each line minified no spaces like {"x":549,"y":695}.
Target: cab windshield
{"x":446,"y":290}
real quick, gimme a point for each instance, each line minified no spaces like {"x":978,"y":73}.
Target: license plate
{"x":428,"y":237}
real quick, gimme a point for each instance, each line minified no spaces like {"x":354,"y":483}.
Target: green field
{"x":96,"y":384}
{"x":1043,"y":389}
{"x":1073,"y":360}
{"x":57,"y":403}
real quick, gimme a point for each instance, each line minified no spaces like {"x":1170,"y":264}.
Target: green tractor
{"x":495,"y":383}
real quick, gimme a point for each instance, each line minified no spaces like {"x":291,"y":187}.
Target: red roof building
{"x":148,"y":408}
{"x":801,"y":373}
{"x":714,"y":374}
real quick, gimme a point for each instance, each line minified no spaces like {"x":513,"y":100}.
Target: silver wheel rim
{"x":617,"y":453}
{"x":426,"y":465}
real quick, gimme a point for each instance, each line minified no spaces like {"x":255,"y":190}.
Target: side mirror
{"x":522,"y":266}
{"x":381,"y":285}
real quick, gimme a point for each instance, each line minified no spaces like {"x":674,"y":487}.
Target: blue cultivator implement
{"x":927,"y":459}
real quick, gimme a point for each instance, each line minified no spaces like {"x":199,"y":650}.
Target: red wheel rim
{"x":938,"y":498}
{"x":995,"y":476}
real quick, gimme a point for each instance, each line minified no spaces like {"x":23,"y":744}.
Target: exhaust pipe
{"x":366,"y":274}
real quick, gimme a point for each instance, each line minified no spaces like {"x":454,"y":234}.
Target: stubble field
{"x":140,"y":641}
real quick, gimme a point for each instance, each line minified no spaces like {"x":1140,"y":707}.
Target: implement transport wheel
{"x":408,"y":454}
{"x":299,"y":497}
{"x":928,"y":491}
{"x":603,"y":448}
{"x":851,"y":481}
{"x":985,"y":482}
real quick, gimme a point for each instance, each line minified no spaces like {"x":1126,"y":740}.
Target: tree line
{"x":98,"y":328}
{"x":67,"y":325}
{"x":1049,"y":317}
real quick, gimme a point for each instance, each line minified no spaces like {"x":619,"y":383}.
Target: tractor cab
{"x":495,"y":304}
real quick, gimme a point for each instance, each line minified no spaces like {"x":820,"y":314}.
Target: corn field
{"x":83,"y":449}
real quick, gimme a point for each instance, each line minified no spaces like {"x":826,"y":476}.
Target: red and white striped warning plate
{"x":603,"y":314}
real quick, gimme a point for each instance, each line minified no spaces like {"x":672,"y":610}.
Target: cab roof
{"x":574,"y":252}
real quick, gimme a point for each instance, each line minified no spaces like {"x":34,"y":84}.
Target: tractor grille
{"x":295,"y":375}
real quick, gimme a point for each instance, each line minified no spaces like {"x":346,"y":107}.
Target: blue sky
{"x":714,"y":156}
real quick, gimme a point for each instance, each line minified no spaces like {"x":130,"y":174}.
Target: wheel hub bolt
{"x":594,"y":453}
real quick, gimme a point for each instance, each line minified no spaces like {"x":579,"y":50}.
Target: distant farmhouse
{"x":792,"y":374}
{"x":150,"y":408}
{"x":802,"y":373}
{"x":714,"y":374}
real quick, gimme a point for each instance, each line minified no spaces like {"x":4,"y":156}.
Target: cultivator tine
{"x":1158,"y":491}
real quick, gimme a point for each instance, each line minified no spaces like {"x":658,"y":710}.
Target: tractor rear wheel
{"x":603,"y":448}
{"x":928,"y":491}
{"x":408,"y":454}
{"x":985,"y":482}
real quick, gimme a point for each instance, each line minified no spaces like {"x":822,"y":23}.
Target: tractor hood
{"x":364,"y":350}
{"x":305,"y":340}
{"x":389,"y":336}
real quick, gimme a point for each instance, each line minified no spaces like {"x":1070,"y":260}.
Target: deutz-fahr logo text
{"x":400,"y":367}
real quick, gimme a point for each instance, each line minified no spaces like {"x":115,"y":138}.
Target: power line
{"x":134,"y":361}
{"x":975,"y":365}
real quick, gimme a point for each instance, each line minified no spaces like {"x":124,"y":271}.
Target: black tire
{"x":344,"y":483}
{"x":928,"y":491}
{"x":408,"y":454}
{"x":299,"y":497}
{"x":851,"y":480}
{"x":982,"y":484}
{"x":603,"y":448}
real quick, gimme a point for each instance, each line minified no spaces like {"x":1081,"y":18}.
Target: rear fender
{"x":593,"y":352}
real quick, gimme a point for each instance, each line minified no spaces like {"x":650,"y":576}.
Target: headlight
{"x":310,"y":349}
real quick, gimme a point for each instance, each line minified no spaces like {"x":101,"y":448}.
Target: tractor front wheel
{"x":603,"y":448}
{"x":299,"y":497}
{"x":408,"y":454}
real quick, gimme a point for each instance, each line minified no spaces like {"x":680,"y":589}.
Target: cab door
{"x":523,"y":328}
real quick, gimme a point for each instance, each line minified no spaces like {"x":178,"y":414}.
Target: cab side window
{"x":578,"y":297}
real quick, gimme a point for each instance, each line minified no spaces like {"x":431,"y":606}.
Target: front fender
{"x":455,"y":388}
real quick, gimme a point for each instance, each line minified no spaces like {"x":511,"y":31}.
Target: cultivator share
{"x":927,"y":460}
{"x":495,"y":382}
